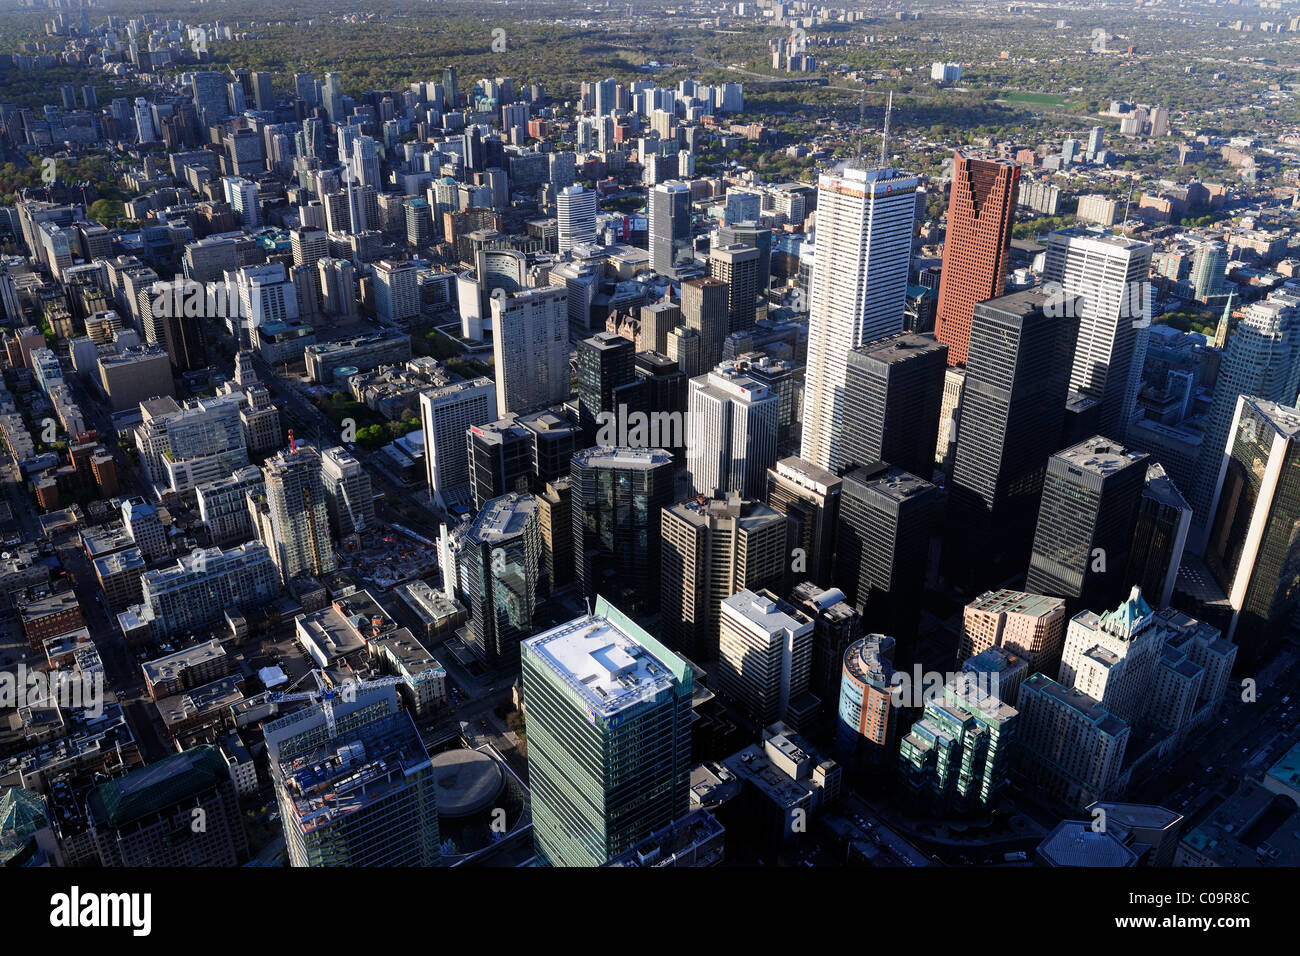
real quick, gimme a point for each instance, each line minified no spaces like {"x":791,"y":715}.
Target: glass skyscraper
{"x":609,"y":743}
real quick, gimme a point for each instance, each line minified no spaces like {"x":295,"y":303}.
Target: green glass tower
{"x":609,"y":749}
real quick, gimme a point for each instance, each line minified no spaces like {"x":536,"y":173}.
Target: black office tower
{"x":892,"y":393}
{"x":882,"y":544}
{"x":1085,"y":524}
{"x":1013,"y":403}
{"x":500,"y":459}
{"x":605,"y":363}
{"x":618,"y":496}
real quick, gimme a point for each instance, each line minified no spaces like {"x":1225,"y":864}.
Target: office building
{"x":882,"y":543}
{"x":1029,"y":626}
{"x":609,"y":711}
{"x":765,"y":658}
{"x":705,"y":311}
{"x":499,"y":569}
{"x":1252,"y":552}
{"x":353,"y":782}
{"x":1012,"y":408}
{"x":134,"y":820}
{"x":669,"y":225}
{"x":893,"y":390}
{"x":618,"y":497}
{"x":809,"y":497}
{"x":956,"y":758}
{"x":1164,"y":519}
{"x":866,"y":726}
{"x":731,"y":433}
{"x":711,"y":550}
{"x":605,"y":363}
{"x":1262,"y":359}
{"x":865,"y":220}
{"x":1089,"y":506}
{"x":740,"y":268}
{"x":1109,"y":273}
{"x":976,"y":248}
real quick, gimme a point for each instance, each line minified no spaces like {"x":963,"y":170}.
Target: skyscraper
{"x":738,"y":266}
{"x":1085,"y":523}
{"x":445,"y":415}
{"x":575,"y":213}
{"x":1163,"y":520}
{"x":882,"y":544}
{"x":958,"y":755}
{"x":669,"y":225}
{"x":705,"y":311}
{"x":530,"y":346}
{"x":353,"y":782}
{"x":731,"y":433}
{"x":865,"y":220}
{"x":1013,"y":403}
{"x":609,"y":752}
{"x":976,"y":247}
{"x":1253,"y":551}
{"x":1207,"y":270}
{"x":1110,"y":273}
{"x":299,"y":514}
{"x":348,"y":492}
{"x":893,"y":390}
{"x":810,"y":498}
{"x":618,"y":497}
{"x":765,"y":658}
{"x":606,"y":362}
{"x":1262,"y":359}
{"x":499,"y":570}
{"x":711,"y":550}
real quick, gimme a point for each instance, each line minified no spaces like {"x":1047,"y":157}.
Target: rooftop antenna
{"x":884,"y":136}
{"x":1127,"y":202}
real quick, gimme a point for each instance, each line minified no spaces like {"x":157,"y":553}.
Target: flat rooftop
{"x":173,"y":665}
{"x":503,"y":518}
{"x":608,"y":667}
{"x":1099,"y":456}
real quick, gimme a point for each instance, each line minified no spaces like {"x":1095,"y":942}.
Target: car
{"x":1209,"y":770}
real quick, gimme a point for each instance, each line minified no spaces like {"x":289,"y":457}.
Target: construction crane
{"x":326,"y":694}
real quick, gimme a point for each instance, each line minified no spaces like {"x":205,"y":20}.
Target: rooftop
{"x":607,"y":662}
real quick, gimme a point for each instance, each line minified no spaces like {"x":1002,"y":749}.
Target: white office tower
{"x":349,"y":496}
{"x":1262,"y":359}
{"x":445,"y":415}
{"x":244,"y":200}
{"x":765,"y":657}
{"x":732,"y":423}
{"x":1110,"y":273}
{"x":669,"y":225}
{"x":530,"y":346}
{"x":575,"y":212}
{"x":865,"y":220}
